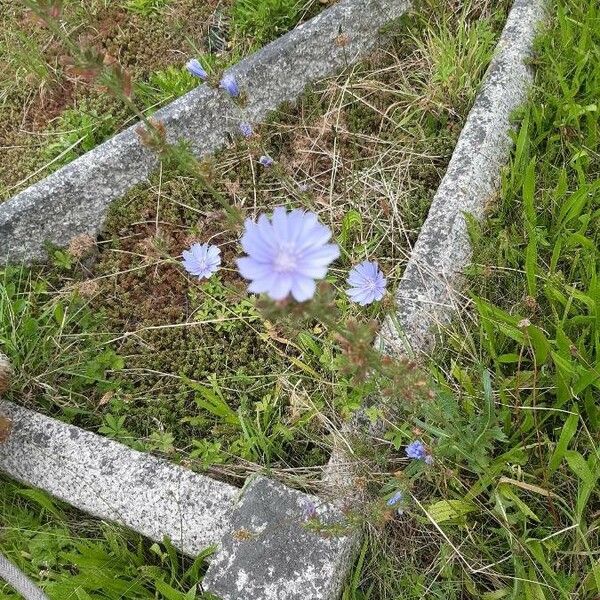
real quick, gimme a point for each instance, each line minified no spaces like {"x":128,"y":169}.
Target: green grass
{"x":132,"y":348}
{"x":145,"y":8}
{"x":72,"y":556}
{"x":263,"y":21}
{"x":54,"y":342}
{"x":510,"y":507}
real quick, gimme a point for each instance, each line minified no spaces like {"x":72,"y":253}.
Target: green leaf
{"x":531,"y":265}
{"x":507,"y":491}
{"x":352,"y":221}
{"x":42,"y":499}
{"x":566,"y":434}
{"x":579,"y":466}
{"x":168,"y":592}
{"x":213,"y":401}
{"x":59,"y":314}
{"x":82,"y":594}
{"x":446,"y":510}
{"x":539,"y":343}
{"x":508,"y":358}
{"x":529,"y":193}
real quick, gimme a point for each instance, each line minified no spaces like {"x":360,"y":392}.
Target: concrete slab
{"x":266,"y":546}
{"x":109,"y":480}
{"x":272,"y":553}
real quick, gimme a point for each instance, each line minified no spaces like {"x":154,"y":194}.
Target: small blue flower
{"x":202,"y":260}
{"x":429,"y":459}
{"x":416,"y":450}
{"x":196,"y":69}
{"x":395,"y":498}
{"x":265,"y":160}
{"x":246,"y":129}
{"x":367,"y":283}
{"x":229,"y":84}
{"x":286,"y":254}
{"x":309,"y":510}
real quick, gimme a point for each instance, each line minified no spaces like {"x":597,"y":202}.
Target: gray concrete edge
{"x":428,"y":295}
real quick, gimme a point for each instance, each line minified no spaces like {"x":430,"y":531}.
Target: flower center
{"x":285,"y":261}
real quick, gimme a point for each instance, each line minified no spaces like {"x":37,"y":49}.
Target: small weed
{"x":266,"y":20}
{"x":145,"y":8}
{"x":164,"y":86}
{"x":77,"y":131}
{"x":53,"y":341}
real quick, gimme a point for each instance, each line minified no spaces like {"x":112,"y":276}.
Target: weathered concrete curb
{"x":265,"y":548}
{"x":273,"y":553}
{"x":114,"y":482}
{"x":74,"y":200}
{"x":429,"y":290}
{"x":428,"y":293}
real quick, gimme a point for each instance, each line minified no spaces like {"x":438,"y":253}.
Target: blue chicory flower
{"x":395,"y":498}
{"x":367,"y":283}
{"x":196,"y":69}
{"x":246,"y":129}
{"x":229,"y":84}
{"x":286,"y":254}
{"x":416,"y":450}
{"x":202,"y":260}
{"x":309,"y":510}
{"x":265,"y":160}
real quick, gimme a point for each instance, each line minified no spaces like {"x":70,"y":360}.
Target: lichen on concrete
{"x":275,"y":551}
{"x":114,"y":482}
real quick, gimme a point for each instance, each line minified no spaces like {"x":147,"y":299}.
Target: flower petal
{"x":254,"y":244}
{"x":280,"y":224}
{"x":303,"y":288}
{"x":280,"y":289}
{"x":361,"y":296}
{"x":323,"y":255}
{"x":250,"y":268}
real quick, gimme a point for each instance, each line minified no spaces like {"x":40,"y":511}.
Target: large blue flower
{"x":286,"y":254}
{"x":202,"y":260}
{"x":367,"y":283}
